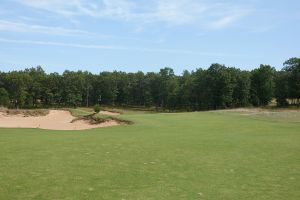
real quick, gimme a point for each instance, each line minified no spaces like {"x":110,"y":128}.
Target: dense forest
{"x":214,"y":88}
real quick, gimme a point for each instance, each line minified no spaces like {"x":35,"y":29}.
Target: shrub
{"x":97,"y":108}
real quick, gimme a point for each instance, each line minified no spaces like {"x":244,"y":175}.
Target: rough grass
{"x":25,"y":113}
{"x":80,"y":112}
{"x":96,"y":118}
{"x":276,"y":115}
{"x":205,"y":155}
{"x":99,"y":118}
{"x":130,"y":110}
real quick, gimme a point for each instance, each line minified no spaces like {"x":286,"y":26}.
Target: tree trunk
{"x":87,"y":97}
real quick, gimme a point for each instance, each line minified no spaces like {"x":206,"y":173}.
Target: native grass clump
{"x":98,"y":119}
{"x":25,"y":112}
{"x":93,"y":117}
{"x":97,"y":108}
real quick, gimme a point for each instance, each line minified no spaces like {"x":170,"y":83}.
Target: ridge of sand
{"x":55,"y":120}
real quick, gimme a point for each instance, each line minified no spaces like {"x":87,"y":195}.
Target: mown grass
{"x":205,"y":155}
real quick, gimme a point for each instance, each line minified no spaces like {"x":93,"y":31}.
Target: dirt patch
{"x":55,"y":120}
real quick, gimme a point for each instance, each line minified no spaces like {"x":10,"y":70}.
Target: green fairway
{"x":201,"y":155}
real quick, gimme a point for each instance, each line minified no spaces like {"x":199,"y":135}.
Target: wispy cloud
{"x":22,"y":27}
{"x":102,"y":8}
{"x":12,"y":26}
{"x":223,"y":22}
{"x":178,"y":12}
{"x":119,"y":48}
{"x":171,"y":12}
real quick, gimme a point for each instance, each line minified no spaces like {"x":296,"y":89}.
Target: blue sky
{"x":146,"y":35}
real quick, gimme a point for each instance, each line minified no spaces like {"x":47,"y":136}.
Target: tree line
{"x":217,"y":87}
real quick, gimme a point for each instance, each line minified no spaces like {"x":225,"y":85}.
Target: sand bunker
{"x":55,"y":120}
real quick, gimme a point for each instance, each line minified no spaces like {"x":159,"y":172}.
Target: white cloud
{"x":171,"y":12}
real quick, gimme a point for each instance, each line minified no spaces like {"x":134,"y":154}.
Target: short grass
{"x":205,"y":155}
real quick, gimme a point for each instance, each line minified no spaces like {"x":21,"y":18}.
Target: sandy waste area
{"x":55,"y":120}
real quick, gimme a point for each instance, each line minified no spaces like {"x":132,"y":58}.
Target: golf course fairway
{"x":200,"y":155}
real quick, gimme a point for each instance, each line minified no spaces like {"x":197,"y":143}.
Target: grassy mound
{"x":99,"y":118}
{"x":80,"y":112}
{"x":95,"y":118}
